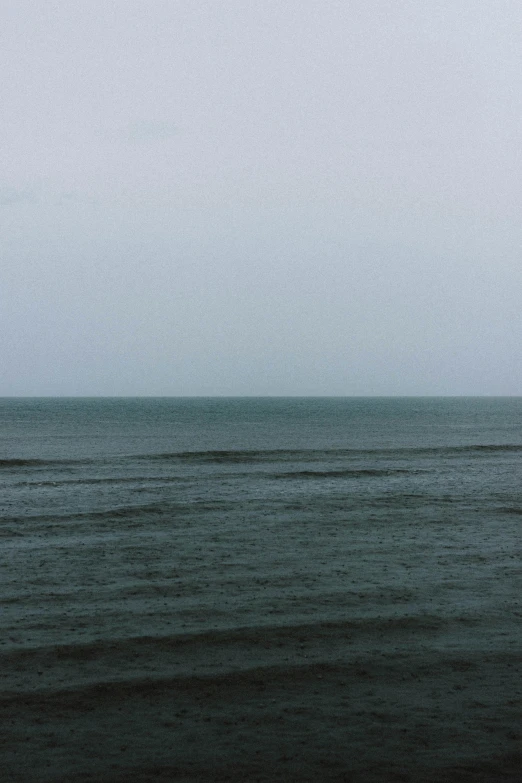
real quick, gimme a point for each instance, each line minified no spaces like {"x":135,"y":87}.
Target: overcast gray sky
{"x":274,"y":197}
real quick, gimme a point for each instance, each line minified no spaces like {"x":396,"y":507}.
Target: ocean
{"x":260,"y":589}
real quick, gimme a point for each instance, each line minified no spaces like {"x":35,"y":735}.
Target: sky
{"x":276,"y":197}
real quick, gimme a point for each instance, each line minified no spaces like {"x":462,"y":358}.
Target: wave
{"x":211,"y":654}
{"x":241,"y":456}
{"x":314,"y":454}
{"x":129,"y":513}
{"x":230,"y":456}
{"x":348,"y":473}
{"x":40,"y":463}
{"x":493,"y":447}
{"x":263,"y":634}
{"x":22,"y":463}
{"x":110,"y":480}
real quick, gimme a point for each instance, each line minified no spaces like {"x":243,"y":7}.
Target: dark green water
{"x":147,"y":516}
{"x":260,"y":589}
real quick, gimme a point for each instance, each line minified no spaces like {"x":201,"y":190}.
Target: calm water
{"x":129,"y":517}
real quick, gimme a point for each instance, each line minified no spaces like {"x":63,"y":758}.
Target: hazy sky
{"x":265,"y":197}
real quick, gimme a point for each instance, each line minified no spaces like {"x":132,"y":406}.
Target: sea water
{"x":122,"y":518}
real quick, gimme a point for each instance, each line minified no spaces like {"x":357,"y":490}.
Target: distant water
{"x":129,"y":517}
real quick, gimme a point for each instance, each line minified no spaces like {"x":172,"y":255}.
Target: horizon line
{"x":250,"y":396}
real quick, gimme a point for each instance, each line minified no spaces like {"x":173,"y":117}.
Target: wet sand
{"x":365,"y":700}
